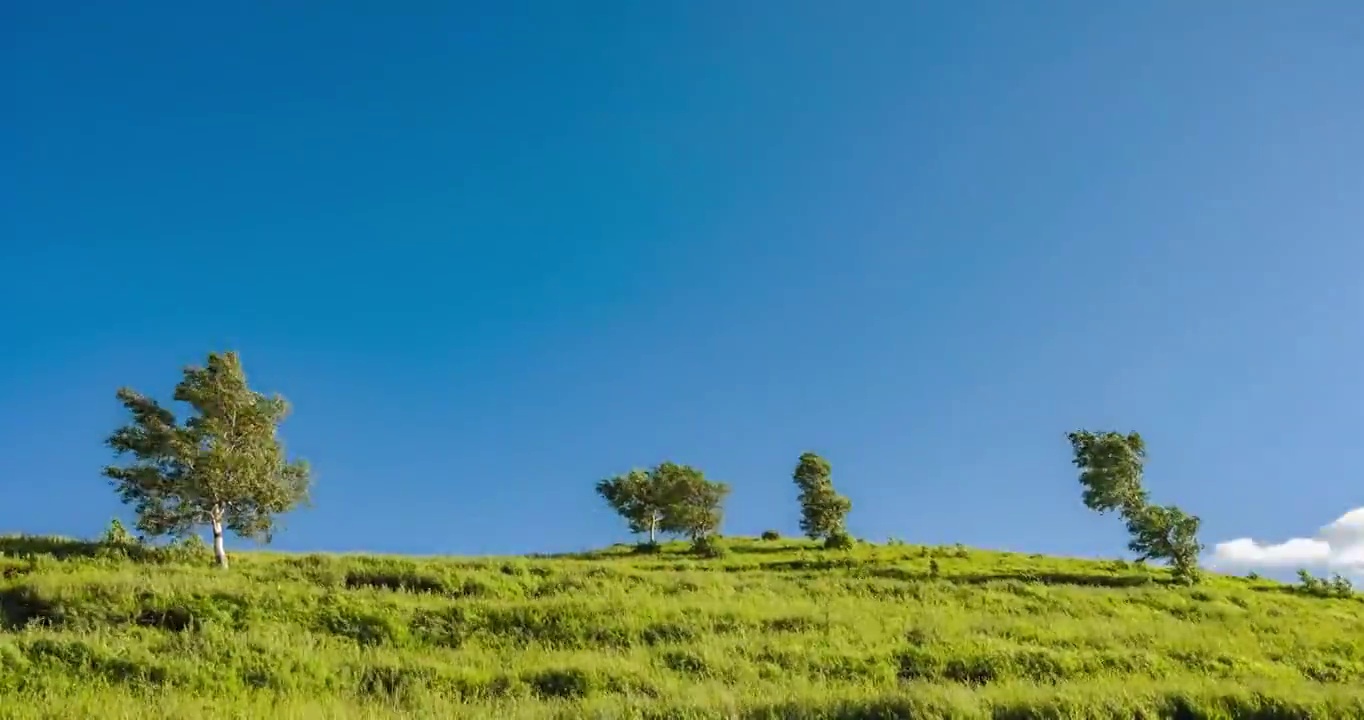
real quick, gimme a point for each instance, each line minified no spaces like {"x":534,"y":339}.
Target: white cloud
{"x":1338,"y":546}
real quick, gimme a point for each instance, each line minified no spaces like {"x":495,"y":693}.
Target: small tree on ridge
{"x":224,"y":467}
{"x":668,"y":498}
{"x":823,"y":511}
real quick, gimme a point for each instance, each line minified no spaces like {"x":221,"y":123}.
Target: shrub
{"x":648,"y":548}
{"x":1335,"y":587}
{"x":770,"y":535}
{"x":708,"y":546}
{"x":839,"y":541}
{"x":190,"y":550}
{"x":117,"y":535}
{"x":560,"y":683}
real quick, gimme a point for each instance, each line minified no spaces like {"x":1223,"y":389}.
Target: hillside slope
{"x":772,"y":629}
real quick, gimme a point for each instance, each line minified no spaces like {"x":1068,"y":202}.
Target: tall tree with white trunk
{"x":224,"y":467}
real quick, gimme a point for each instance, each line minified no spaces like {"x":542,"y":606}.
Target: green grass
{"x":775,"y":629}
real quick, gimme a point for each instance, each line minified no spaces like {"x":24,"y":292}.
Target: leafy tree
{"x":639,"y":496}
{"x":223,"y":467}
{"x":694,"y":505}
{"x":1167,"y":533}
{"x":823,"y":511}
{"x":1111,"y":466}
{"x":668,"y":498}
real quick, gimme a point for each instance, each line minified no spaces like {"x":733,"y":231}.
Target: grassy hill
{"x":772,"y":629}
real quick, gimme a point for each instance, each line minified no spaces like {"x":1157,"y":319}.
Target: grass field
{"x":776,"y":629}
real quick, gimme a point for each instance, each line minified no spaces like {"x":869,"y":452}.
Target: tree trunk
{"x":219,"y":552}
{"x":653,"y":525}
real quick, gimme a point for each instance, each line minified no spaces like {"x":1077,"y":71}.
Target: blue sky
{"x":493,"y":254}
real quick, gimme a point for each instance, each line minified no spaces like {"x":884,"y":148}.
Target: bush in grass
{"x":708,"y":546}
{"x":647,"y":548}
{"x":839,"y":541}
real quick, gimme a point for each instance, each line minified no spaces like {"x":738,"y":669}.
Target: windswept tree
{"x":640,"y":497}
{"x":1167,"y":533}
{"x":823,"y":511}
{"x":223,"y":467}
{"x":668,"y":498}
{"x":1111,"y":470}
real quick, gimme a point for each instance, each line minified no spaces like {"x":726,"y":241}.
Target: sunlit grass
{"x":771,"y":629}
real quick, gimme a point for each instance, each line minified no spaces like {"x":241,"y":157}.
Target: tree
{"x":639,"y":496}
{"x":668,"y":498}
{"x":823,"y":511}
{"x":223,"y":467}
{"x":694,"y":506}
{"x":1167,"y":533}
{"x":1111,"y":466}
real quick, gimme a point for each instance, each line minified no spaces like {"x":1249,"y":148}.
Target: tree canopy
{"x":640,"y":497}
{"x":668,"y":498}
{"x":223,"y":467}
{"x":1111,"y":466}
{"x":823,"y":511}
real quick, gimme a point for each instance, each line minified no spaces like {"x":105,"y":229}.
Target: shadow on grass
{"x":1061,"y":578}
{"x":21,"y":606}
{"x":771,"y":549}
{"x":824,"y":563}
{"x":1171,"y":705}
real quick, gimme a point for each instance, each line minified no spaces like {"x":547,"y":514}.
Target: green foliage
{"x":189,"y":549}
{"x":839,"y":540}
{"x":1337,"y":586}
{"x":1167,"y":533}
{"x":1111,"y":466}
{"x":709,"y":546}
{"x":648,"y":548}
{"x":117,"y":535}
{"x":639,"y":496}
{"x":771,"y":535}
{"x":223,"y":467}
{"x":669,"y":498}
{"x":823,"y":511}
{"x":695,"y":505}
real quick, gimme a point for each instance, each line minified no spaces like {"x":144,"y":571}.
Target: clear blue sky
{"x":493,"y":255}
